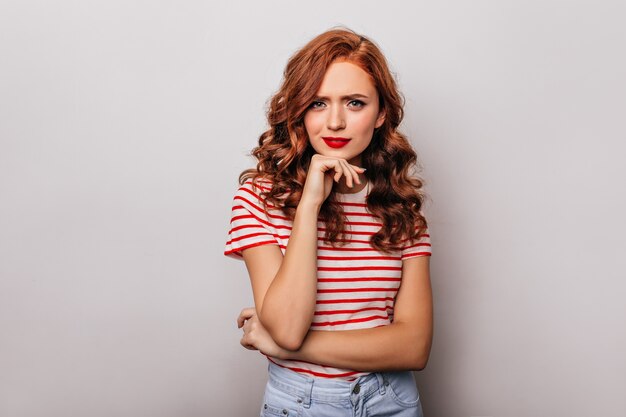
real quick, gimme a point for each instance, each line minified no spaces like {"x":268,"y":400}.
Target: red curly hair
{"x":284,"y":152}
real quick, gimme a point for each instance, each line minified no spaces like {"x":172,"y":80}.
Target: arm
{"x":403,"y":345}
{"x":285,"y":289}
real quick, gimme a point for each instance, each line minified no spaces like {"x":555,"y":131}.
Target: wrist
{"x":308,"y":206}
{"x":285,"y":354}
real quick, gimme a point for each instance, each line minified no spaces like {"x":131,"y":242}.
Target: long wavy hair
{"x":284,"y":152}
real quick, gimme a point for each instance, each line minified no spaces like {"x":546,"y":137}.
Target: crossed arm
{"x":403,"y":345}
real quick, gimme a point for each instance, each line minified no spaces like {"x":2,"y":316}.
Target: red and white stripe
{"x":356,"y":285}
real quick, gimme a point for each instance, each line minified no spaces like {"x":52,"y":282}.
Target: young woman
{"x":330,"y":227}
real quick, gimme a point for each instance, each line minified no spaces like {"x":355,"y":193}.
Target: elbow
{"x":285,"y":336}
{"x":419,"y":362}
{"x":289,"y":342}
{"x":419,"y":355}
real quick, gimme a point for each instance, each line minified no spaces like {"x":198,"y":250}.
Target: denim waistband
{"x":306,"y":388}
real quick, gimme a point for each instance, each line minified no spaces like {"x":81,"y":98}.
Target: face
{"x":341,"y":120}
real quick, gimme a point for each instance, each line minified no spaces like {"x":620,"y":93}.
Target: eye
{"x":357,"y":103}
{"x":316,"y":104}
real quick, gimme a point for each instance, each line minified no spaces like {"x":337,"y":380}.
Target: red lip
{"x":335,"y":142}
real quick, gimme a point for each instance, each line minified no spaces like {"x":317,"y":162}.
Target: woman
{"x":330,"y":227}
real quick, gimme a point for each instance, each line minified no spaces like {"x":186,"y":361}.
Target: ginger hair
{"x":284,"y":153}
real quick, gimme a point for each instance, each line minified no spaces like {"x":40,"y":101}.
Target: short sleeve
{"x":250,"y":226}
{"x":420,"y":247}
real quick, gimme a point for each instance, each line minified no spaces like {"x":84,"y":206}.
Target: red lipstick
{"x":335,"y":142}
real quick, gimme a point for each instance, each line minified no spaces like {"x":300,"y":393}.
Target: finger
{"x":348,"y":173}
{"x":339,"y":170}
{"x":332,"y":166}
{"x":241,"y":320}
{"x":358,"y":170}
{"x":353,"y":173}
{"x":246,"y":327}
{"x":248,"y":311}
{"x":325,"y":164}
{"x":243,"y":342}
{"x":245,"y":314}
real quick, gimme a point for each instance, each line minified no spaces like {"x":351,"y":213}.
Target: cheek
{"x":312,"y":123}
{"x":364,"y":122}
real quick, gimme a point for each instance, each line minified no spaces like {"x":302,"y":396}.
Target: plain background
{"x":124,"y":126}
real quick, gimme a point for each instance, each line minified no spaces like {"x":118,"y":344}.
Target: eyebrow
{"x":355,"y":95}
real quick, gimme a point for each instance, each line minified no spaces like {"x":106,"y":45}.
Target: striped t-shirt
{"x":356,"y":285}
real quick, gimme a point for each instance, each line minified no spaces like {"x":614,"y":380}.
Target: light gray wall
{"x":124,"y":125}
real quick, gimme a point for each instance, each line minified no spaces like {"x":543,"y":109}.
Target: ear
{"x":381,"y":119}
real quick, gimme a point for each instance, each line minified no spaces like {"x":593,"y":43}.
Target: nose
{"x":336,"y":119}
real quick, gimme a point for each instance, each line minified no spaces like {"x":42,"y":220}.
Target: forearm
{"x":398,"y":346}
{"x":289,"y":303}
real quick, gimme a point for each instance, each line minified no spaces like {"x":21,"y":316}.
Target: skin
{"x":284,"y":287}
{"x":346,"y":106}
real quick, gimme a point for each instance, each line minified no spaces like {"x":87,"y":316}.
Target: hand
{"x":322,"y":171}
{"x":255,"y":336}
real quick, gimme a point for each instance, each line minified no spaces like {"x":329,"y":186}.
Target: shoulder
{"x":253,"y":188}
{"x":251,"y":195}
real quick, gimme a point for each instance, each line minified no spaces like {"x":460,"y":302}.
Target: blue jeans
{"x":290,"y":394}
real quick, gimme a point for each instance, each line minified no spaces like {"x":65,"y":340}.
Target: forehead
{"x":345,"y":78}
